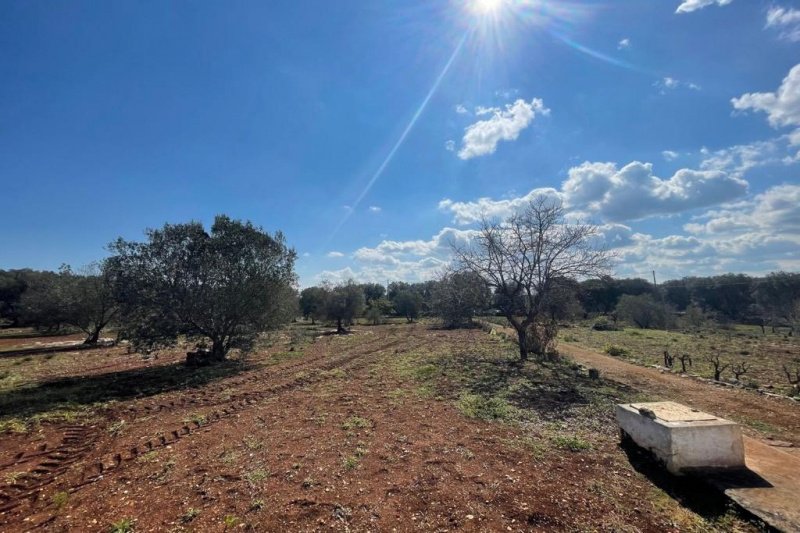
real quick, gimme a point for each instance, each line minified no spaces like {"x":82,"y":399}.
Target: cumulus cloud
{"x":473,"y":211}
{"x":616,"y":194}
{"x":413,"y":260}
{"x":786,"y":21}
{"x":481,"y":138}
{"x":461,"y":110}
{"x":687,"y":6}
{"x":623,"y":43}
{"x":782,"y":107}
{"x":670,"y":155}
{"x":450,"y":146}
{"x":374,"y":209}
{"x":335,"y":254}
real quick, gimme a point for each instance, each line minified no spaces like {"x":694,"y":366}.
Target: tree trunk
{"x":522,"y":339}
{"x":218,"y":351}
{"x":312,"y":320}
{"x":339,"y":328}
{"x":93,"y":337}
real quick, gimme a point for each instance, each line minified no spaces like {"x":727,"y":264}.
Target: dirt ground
{"x":382,"y":430}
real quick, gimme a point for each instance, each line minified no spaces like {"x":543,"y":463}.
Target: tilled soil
{"x":329,"y":438}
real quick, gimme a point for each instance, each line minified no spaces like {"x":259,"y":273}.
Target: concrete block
{"x":683,"y":438}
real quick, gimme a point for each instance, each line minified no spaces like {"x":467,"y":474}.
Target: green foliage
{"x":312,"y":303}
{"x":124,"y":525}
{"x":491,"y":408}
{"x":572,"y":443}
{"x":616,"y":351}
{"x":408,"y":304}
{"x":459,"y":296}
{"x":644,"y":311}
{"x":225,"y":286}
{"x":356,"y":422}
{"x":344,"y":303}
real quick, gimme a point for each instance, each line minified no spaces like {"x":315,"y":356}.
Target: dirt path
{"x":761,"y":415}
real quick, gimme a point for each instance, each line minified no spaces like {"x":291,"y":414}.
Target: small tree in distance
{"x":644,"y":311}
{"x":344,"y":303}
{"x":521,"y":259}
{"x":313,"y":303}
{"x":408,"y":303}
{"x":459,"y":296}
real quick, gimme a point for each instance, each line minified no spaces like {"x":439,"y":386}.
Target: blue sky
{"x":373,"y":133}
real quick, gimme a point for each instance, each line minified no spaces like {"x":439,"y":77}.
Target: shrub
{"x":603,"y":324}
{"x":616,"y":351}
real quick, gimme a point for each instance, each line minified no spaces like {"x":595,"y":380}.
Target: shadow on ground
{"x":76,"y":391}
{"x":692,"y":491}
{"x":552,"y":388}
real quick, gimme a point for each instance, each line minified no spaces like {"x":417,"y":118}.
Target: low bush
{"x":616,"y":351}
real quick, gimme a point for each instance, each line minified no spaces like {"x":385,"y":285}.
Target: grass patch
{"x":483,"y":408}
{"x":572,"y":443}
{"x":356,"y":422}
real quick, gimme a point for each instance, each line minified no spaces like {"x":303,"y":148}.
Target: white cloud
{"x":687,"y":6}
{"x":623,"y":43}
{"x":374,"y":209}
{"x":616,"y":194}
{"x":786,"y":21}
{"x":416,"y":260}
{"x":469,"y":212}
{"x":634,"y":192}
{"x":740,"y":158}
{"x":481,"y":138}
{"x":450,"y":146}
{"x":670,"y":155}
{"x":335,"y":254}
{"x":782,"y":106}
{"x":480,"y":110}
{"x":670,"y":84}
{"x":461,"y":110}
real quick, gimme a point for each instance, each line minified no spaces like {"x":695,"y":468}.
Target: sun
{"x":485,"y":7}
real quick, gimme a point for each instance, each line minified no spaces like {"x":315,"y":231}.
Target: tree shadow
{"x":552,"y":389}
{"x":80,"y":391}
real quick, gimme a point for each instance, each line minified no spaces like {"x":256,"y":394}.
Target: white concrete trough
{"x":683,"y":438}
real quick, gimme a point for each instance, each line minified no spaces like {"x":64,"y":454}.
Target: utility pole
{"x":654,"y":279}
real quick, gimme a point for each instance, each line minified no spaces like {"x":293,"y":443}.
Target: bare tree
{"x":522,"y":260}
{"x":739,"y":369}
{"x":685,"y":358}
{"x":794,"y":379}
{"x":719,"y":367}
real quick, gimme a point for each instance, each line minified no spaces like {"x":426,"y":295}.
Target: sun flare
{"x":485,"y":7}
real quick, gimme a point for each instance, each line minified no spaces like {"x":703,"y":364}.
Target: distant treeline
{"x":768,"y":300}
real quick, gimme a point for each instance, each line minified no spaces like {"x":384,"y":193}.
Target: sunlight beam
{"x":402,"y":138}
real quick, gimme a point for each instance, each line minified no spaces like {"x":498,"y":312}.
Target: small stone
{"x":470,"y":517}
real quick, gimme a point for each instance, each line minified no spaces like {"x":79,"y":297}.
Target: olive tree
{"x":525,"y":259}
{"x":221,"y":287}
{"x":344,"y":303}
{"x":644,"y":311}
{"x":459,"y":296}
{"x":313,"y":302}
{"x":89,"y":300}
{"x":408,"y":303}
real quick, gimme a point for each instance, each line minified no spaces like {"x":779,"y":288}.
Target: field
{"x":764,"y":354}
{"x":394,"y":427}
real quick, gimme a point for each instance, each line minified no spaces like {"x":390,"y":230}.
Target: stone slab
{"x":684,"y":439}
